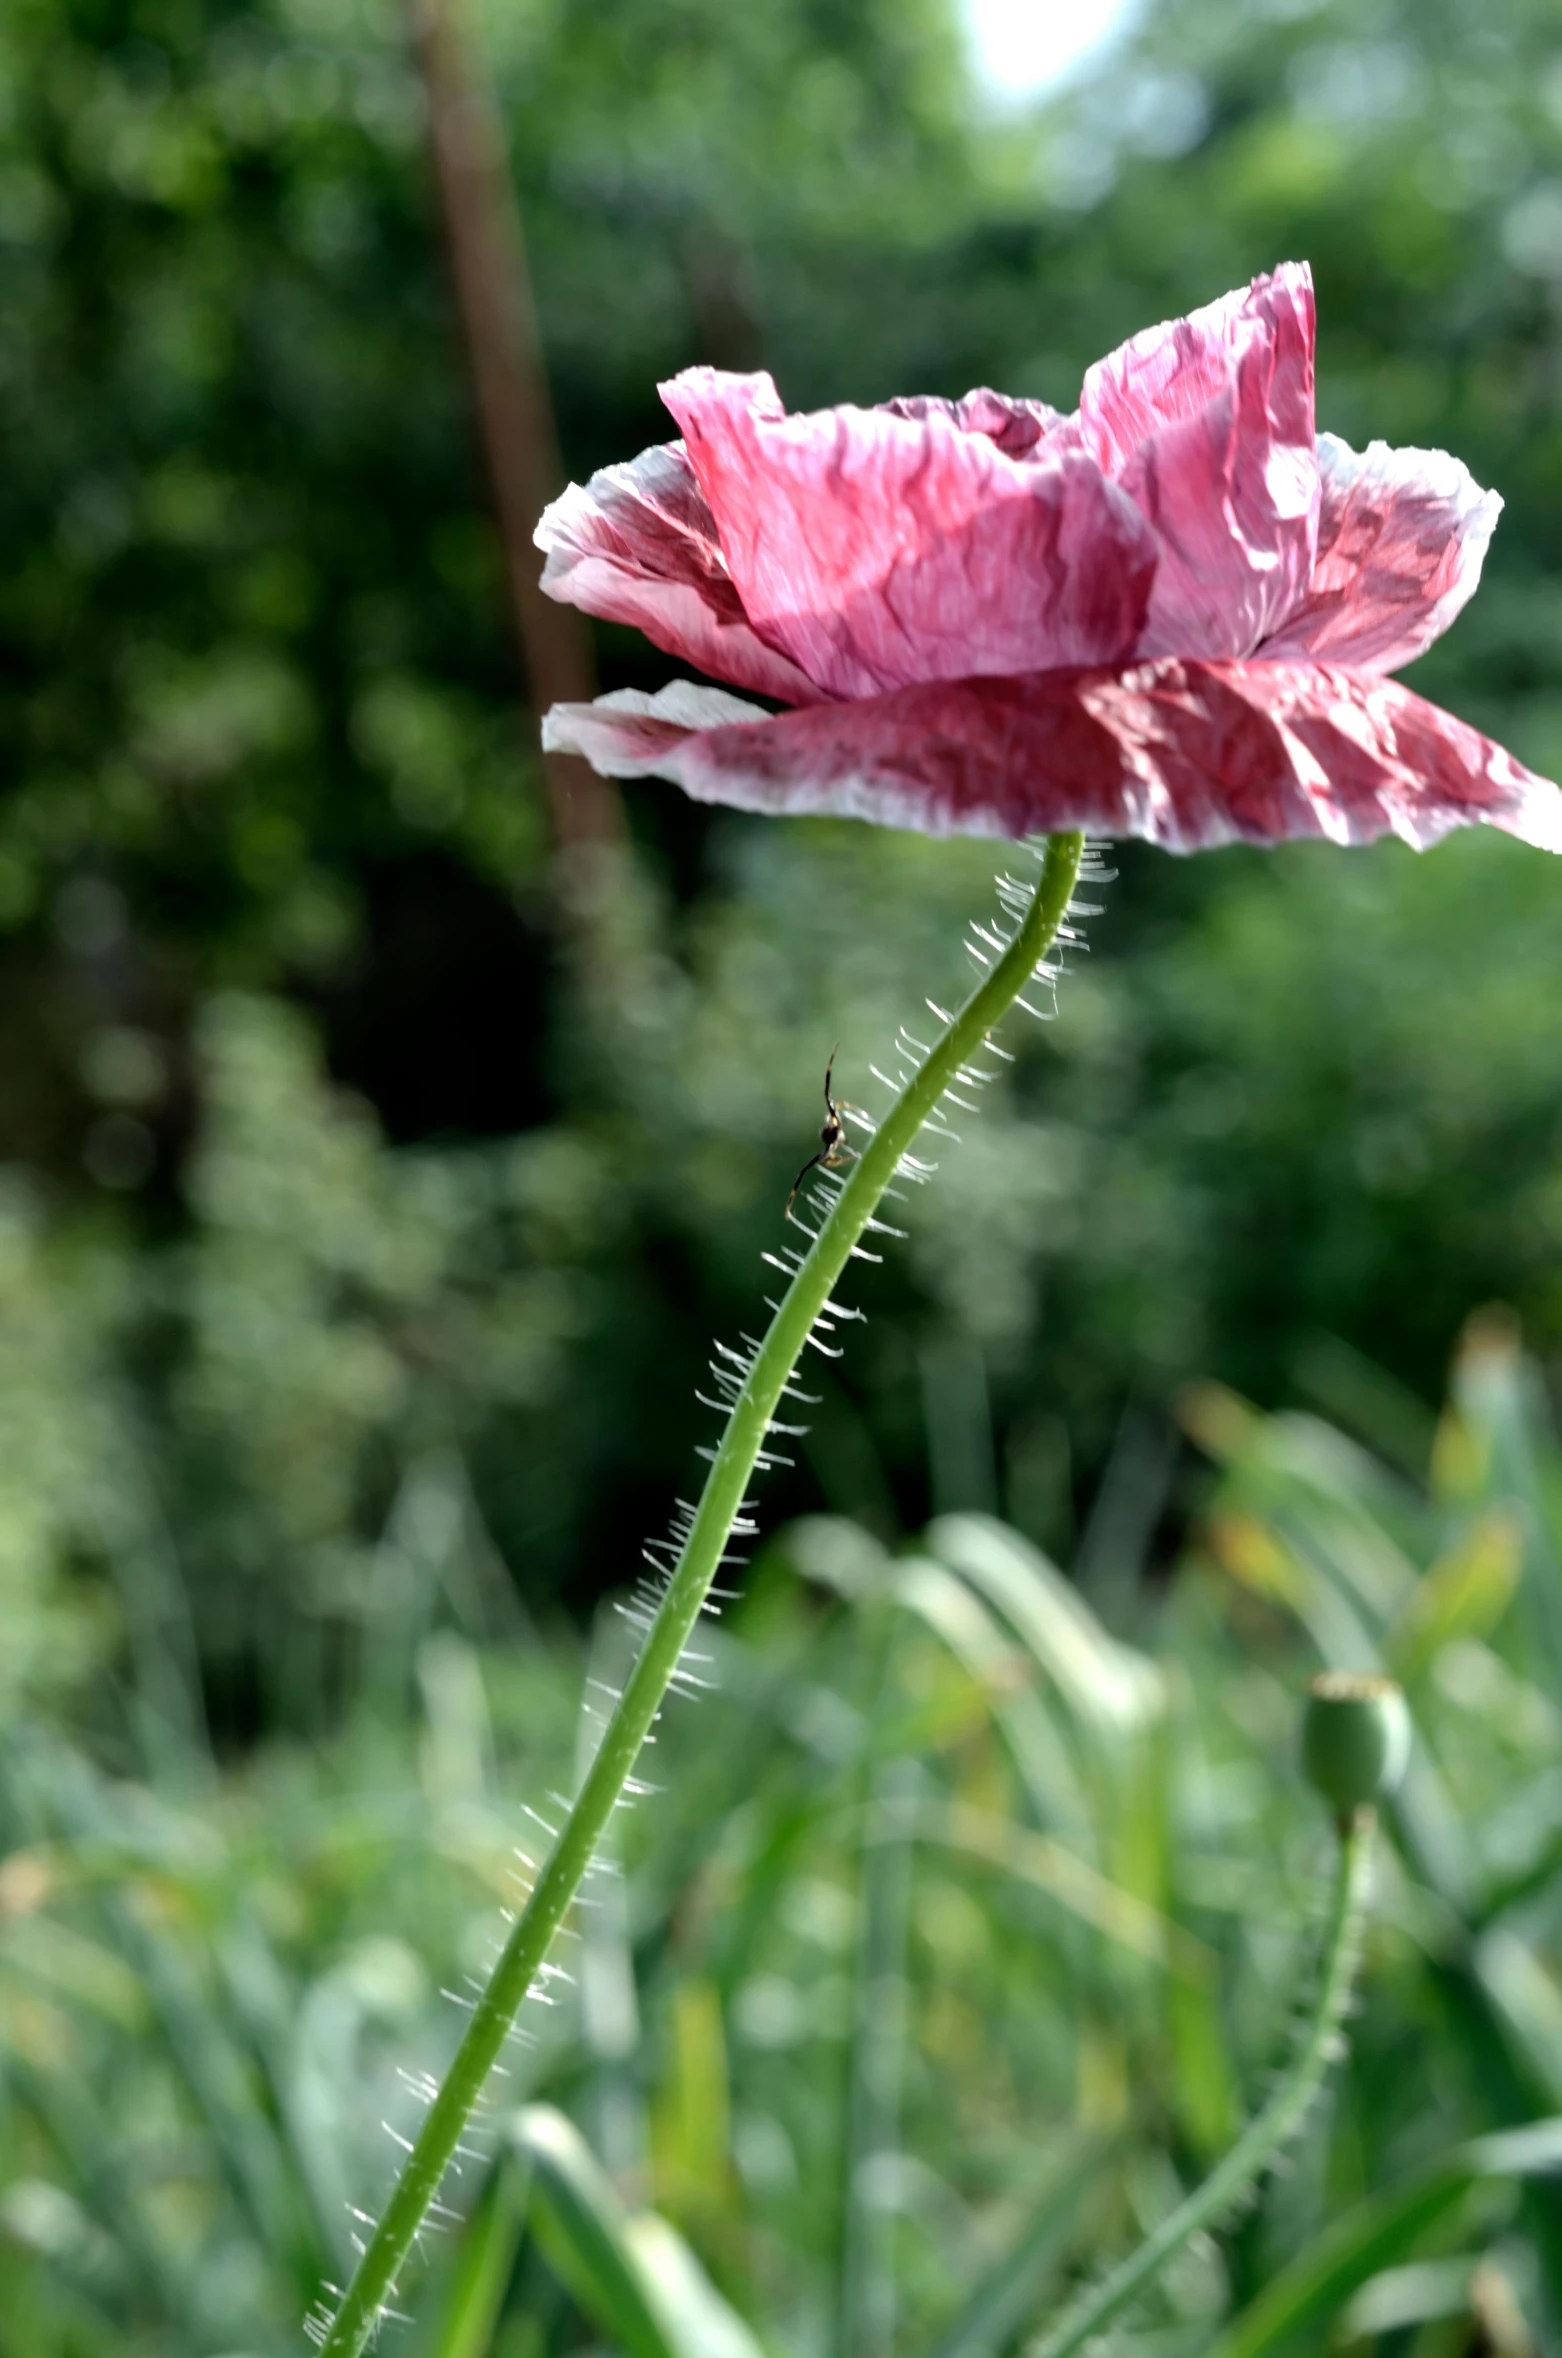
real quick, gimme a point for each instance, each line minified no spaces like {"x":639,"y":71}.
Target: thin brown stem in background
{"x":510,"y":389}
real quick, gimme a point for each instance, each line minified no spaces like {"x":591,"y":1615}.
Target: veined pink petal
{"x":1018,"y":425}
{"x":1208,"y":423}
{"x":1188,"y":755}
{"x":1401,"y":540}
{"x":875,"y":549}
{"x":638,"y":544}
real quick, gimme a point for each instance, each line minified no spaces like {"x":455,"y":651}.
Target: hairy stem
{"x":768,"y":1374}
{"x":1267,"y":2133}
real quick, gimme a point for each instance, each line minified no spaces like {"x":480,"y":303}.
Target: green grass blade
{"x":865,"y":2312}
{"x":960,"y":1621}
{"x":1075,"y":1886}
{"x":1008,"y":2295}
{"x":1377,"y":2234}
{"x":1109,"y":1689}
{"x":699,"y":2322}
{"x":483,"y":2268}
{"x":1499,"y":1394}
{"x":220,"y":2083}
{"x":583,"y":2231}
{"x":633,"y":2277}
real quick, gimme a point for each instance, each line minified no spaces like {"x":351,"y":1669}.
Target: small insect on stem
{"x":834,"y":1151}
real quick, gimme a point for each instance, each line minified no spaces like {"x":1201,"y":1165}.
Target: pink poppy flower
{"x":1170,"y":614}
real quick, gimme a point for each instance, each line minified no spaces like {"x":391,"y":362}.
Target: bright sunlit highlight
{"x":1020,"y":48}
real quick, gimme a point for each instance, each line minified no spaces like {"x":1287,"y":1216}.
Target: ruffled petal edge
{"x":1185,"y":755}
{"x":638,"y":544}
{"x":1402,"y":537}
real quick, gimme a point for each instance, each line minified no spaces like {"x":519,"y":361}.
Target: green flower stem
{"x":1269,"y":2130}
{"x":531,"y":1936}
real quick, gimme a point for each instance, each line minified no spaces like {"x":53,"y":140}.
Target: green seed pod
{"x":1355,"y":1738}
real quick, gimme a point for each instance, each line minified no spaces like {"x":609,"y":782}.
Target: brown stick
{"x":510,"y":390}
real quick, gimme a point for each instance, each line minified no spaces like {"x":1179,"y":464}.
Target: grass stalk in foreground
{"x":1267,"y":2133}
{"x":373,"y":2285}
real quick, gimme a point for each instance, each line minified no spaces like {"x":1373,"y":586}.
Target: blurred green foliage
{"x":958,"y":1935}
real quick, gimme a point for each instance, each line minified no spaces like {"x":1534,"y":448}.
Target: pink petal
{"x":638,"y":545}
{"x":877,"y":549}
{"x":1188,"y":755}
{"x":1208,"y":423}
{"x":1018,"y":425}
{"x":1401,"y":541}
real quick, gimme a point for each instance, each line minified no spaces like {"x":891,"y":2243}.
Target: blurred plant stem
{"x":510,"y":391}
{"x":865,"y":2316}
{"x":1269,"y":2131}
{"x":768,"y":1376}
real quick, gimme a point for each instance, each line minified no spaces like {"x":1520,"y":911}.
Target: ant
{"x":834,"y":1149}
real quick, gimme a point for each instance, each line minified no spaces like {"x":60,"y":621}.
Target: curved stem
{"x":1266,"y":2133}
{"x":769,"y":1373}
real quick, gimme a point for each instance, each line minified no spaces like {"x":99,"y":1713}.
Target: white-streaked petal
{"x":624,"y":734}
{"x":638,"y":544}
{"x":1186,"y":755}
{"x":1402,"y":537}
{"x":1207,"y":423}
